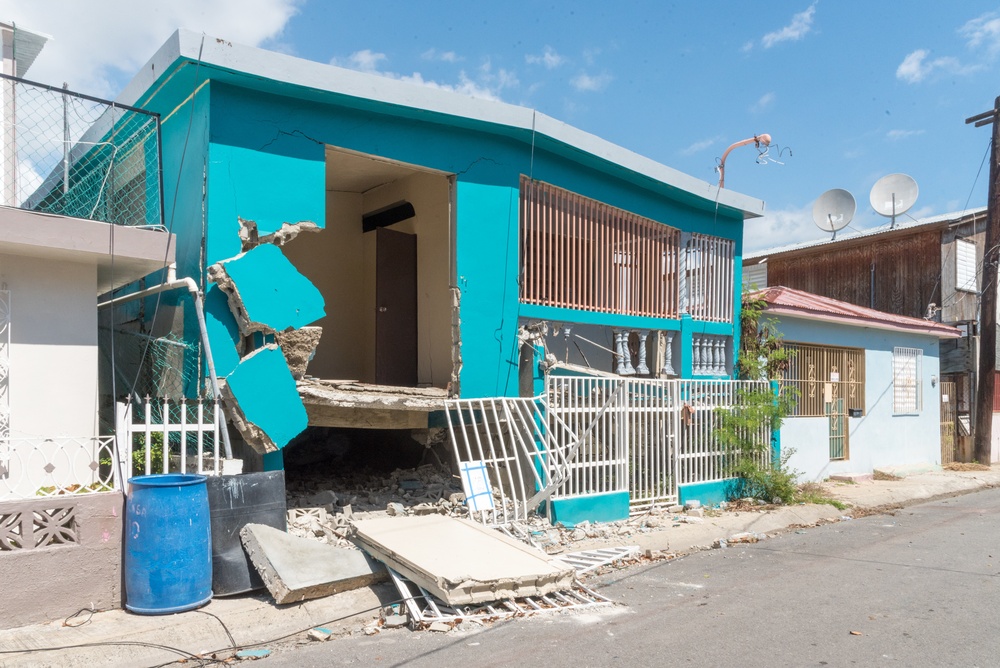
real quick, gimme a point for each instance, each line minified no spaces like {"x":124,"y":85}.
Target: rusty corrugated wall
{"x":906,"y":273}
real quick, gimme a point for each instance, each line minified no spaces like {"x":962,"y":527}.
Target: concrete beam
{"x":296,"y":569}
{"x":137,"y":252}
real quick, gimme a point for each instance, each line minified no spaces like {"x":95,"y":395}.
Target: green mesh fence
{"x":75,"y":155}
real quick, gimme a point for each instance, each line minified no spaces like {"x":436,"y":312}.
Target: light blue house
{"x":868,"y":385}
{"x":440,"y":241}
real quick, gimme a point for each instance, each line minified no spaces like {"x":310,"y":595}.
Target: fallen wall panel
{"x":459,"y":561}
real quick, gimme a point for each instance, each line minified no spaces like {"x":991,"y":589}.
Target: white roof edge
{"x":849,"y":321}
{"x":28,"y":43}
{"x":319,"y":76}
{"x":870,"y":232}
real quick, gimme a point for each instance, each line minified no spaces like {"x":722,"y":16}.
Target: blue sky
{"x":850,"y":91}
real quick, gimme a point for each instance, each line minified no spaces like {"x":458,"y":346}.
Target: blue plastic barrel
{"x":168,"y":546}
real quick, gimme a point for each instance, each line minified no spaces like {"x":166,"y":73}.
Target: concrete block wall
{"x":65,"y":555}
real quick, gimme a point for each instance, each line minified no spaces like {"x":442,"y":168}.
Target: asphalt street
{"x":918,"y":588}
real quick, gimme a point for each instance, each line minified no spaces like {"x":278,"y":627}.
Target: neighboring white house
{"x":868,"y":384}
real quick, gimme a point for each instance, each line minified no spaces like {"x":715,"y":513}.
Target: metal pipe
{"x":757,"y":140}
{"x":191,"y":287}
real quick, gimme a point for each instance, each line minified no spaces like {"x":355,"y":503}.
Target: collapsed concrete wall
{"x":269,"y":299}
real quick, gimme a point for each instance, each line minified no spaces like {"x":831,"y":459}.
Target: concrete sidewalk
{"x":119,"y":638}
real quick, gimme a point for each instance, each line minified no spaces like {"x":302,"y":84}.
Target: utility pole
{"x":988,"y":296}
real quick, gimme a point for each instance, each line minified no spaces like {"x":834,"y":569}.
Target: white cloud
{"x":443,"y":56}
{"x":799,"y":27}
{"x":780,"y":228}
{"x":916,"y":66}
{"x":487,"y":85}
{"x":99,"y":44}
{"x":365,"y":60}
{"x":896,"y":135}
{"x":747,"y":47}
{"x":590,"y":83}
{"x":701,"y":145}
{"x":549,"y":58}
{"x":765,"y":101}
{"x":983,"y":31}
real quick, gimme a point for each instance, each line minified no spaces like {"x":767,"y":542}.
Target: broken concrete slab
{"x":460,"y":561}
{"x":250,"y":234}
{"x":262,"y":401}
{"x":346,"y":403}
{"x":266,"y":292}
{"x":222,"y":331}
{"x":299,"y":347}
{"x":296,"y":569}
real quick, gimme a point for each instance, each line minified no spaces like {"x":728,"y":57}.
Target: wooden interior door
{"x":395,"y":308}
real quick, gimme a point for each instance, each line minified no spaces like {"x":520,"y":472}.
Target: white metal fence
{"x":590,"y":436}
{"x":167,"y":436}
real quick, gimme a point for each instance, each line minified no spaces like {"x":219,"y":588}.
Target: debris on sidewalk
{"x":586,"y":561}
{"x":253,"y":654}
{"x":460,"y":561}
{"x":295,"y":569}
{"x":319,"y":634}
{"x":425,"y":609}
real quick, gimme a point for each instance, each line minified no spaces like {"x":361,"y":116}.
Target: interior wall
{"x":334,"y":260}
{"x":340,"y":261}
{"x":429,"y":195}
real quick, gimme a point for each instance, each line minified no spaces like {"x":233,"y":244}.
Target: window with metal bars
{"x":709,"y":264}
{"x":822,"y":375}
{"x":907,"y":393}
{"x":579,"y":253}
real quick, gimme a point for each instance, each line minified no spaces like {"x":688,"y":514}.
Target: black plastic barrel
{"x":168,"y":552}
{"x":235,"y":501}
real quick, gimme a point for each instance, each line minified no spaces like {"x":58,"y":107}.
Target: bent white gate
{"x":590,"y":436}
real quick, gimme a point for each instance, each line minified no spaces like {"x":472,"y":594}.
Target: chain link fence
{"x":75,"y":155}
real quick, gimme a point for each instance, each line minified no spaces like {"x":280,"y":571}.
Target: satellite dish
{"x":833,"y":210}
{"x":894,"y":194}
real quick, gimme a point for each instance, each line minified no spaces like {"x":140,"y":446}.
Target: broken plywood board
{"x":296,"y":569}
{"x":460,"y":561}
{"x":262,"y":401}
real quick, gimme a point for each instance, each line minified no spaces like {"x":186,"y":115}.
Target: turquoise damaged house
{"x":369,"y":247}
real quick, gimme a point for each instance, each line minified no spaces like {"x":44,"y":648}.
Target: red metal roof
{"x":788,"y":301}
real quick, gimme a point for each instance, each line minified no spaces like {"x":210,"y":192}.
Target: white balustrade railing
{"x":39,"y":467}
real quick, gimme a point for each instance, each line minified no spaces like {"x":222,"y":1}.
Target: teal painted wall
{"x":263,"y":152}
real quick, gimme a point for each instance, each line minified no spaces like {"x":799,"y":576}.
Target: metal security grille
{"x":76,"y":155}
{"x":949,"y":404}
{"x":838,"y":429}
{"x":710,"y":263}
{"x":907,"y":393}
{"x":823,"y":374}
{"x":579,"y":253}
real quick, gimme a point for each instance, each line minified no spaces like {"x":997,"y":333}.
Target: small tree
{"x":763,"y":357}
